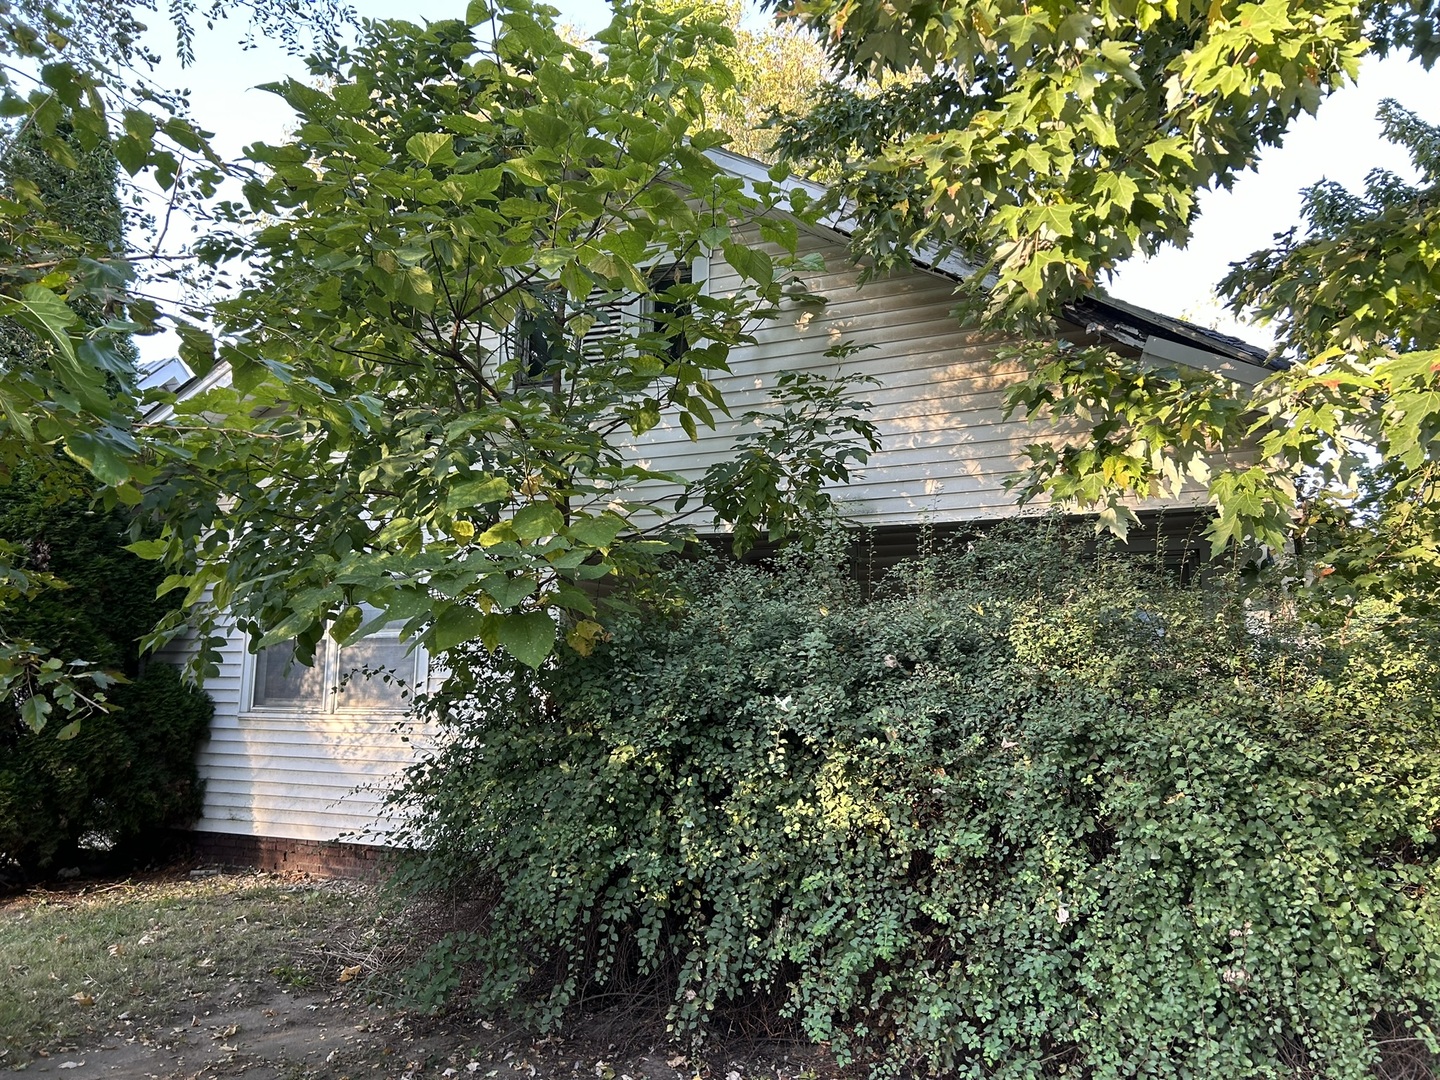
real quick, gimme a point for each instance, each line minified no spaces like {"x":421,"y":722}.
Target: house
{"x":299,"y":758}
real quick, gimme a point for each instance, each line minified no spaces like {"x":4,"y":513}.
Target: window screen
{"x":376,"y":673}
{"x":281,"y":682}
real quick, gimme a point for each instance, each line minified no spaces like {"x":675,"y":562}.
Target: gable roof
{"x":1123,"y":321}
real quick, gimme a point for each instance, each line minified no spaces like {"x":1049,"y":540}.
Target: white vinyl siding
{"x":946,"y":451}
{"x":278,"y":773}
{"x":945,"y":447}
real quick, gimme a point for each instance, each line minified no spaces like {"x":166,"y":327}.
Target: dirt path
{"x":299,"y":1036}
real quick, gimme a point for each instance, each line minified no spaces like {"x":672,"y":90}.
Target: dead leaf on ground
{"x":116,"y":950}
{"x":351,"y":972}
{"x":82,"y":998}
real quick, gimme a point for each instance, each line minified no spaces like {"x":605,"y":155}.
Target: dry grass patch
{"x":253,"y":974}
{"x":83,"y":962}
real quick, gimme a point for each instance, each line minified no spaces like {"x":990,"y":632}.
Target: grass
{"x":229,"y":974}
{"x":79,"y":962}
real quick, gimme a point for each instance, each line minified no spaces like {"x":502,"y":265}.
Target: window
{"x":379,"y":672}
{"x":281,"y":683}
{"x":376,"y":674}
{"x":663,"y":306}
{"x":538,"y":334}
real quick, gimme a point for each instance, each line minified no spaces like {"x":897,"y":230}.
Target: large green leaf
{"x":528,"y":636}
{"x":455,"y":625}
{"x":34,"y":711}
{"x":537,"y":520}
{"x":476,"y":491}
{"x":47,"y":314}
{"x":597,"y":531}
{"x":509,"y":591}
{"x":432,"y":148}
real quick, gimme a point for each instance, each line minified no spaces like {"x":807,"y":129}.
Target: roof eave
{"x":1126,"y":323}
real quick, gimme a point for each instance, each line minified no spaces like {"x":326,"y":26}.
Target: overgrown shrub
{"x":127,"y":774}
{"x":1021,"y":815}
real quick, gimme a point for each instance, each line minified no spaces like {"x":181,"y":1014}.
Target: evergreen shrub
{"x":129,"y":774}
{"x":118,"y":785}
{"x":1017,"y":815}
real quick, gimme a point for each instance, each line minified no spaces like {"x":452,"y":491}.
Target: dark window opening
{"x":663,"y":312}
{"x":538,"y":332}
{"x":537,"y":343}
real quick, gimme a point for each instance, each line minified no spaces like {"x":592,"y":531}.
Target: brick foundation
{"x":318,"y":858}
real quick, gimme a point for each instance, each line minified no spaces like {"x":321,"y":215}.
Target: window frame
{"x":329,"y":704}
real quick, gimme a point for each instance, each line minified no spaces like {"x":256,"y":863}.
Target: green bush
{"x":118,"y":784}
{"x":1021,"y":815}
{"x":128,"y":774}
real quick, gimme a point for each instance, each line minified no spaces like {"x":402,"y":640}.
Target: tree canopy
{"x":1049,"y":143}
{"x":74,"y":82}
{"x":463,"y":284}
{"x":778,"y":70}
{"x":470,"y":286}
{"x":75,"y":90}
{"x":1352,"y":300}
{"x":81,"y":219}
{"x":1339,"y":448}
{"x":463,"y":288}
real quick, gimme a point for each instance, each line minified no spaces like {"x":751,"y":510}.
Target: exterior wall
{"x":946,"y":451}
{"x":361,"y":862}
{"x":946,"y":448}
{"x":302,"y":776}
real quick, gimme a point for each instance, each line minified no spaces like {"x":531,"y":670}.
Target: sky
{"x":1341,"y":142}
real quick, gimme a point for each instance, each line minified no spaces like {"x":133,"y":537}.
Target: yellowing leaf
{"x":583,"y":635}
